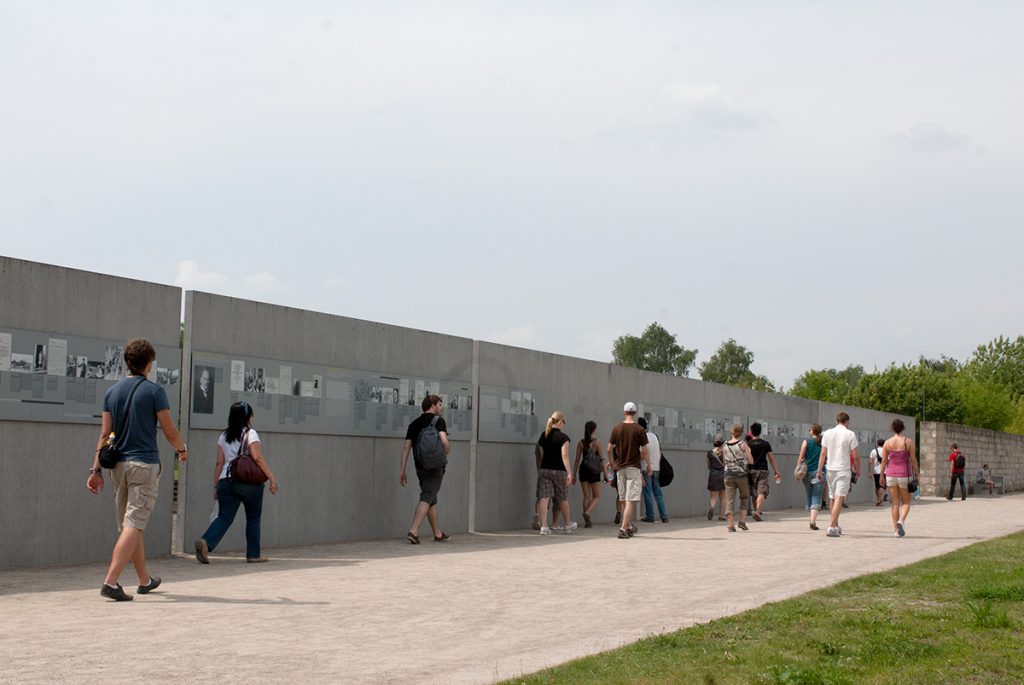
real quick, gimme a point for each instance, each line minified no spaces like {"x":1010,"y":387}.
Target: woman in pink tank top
{"x":899,"y":467}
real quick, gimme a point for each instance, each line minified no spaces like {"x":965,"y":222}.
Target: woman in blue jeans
{"x":231,"y":494}
{"x":810,"y":453}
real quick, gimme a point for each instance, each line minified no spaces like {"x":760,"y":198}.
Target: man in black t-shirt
{"x":762,"y":452}
{"x":430,"y":479}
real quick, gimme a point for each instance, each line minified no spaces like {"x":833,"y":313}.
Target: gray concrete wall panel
{"x":46,"y":514}
{"x":333,"y":487}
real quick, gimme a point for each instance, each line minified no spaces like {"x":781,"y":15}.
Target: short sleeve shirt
{"x":230,"y":449}
{"x":627,"y":438}
{"x":952,"y":462}
{"x":840,"y":442}
{"x":760,"y":449}
{"x":551,"y":444}
{"x":139,"y":439}
{"x":417,"y":426}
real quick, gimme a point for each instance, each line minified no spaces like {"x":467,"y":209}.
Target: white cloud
{"x":929,"y":138}
{"x":519,"y":336}
{"x":262,"y":282}
{"x":192,"y":277}
{"x":681,"y":110}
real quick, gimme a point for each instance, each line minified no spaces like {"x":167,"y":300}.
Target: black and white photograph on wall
{"x":82,"y":367}
{"x":39,"y":365}
{"x":453,"y":401}
{"x":202,"y":394}
{"x":163,"y":376}
{"x":175,"y":376}
{"x":469,"y":403}
{"x":114,"y":356}
{"x":21,"y":363}
{"x":71,"y":368}
{"x":260,"y":384}
{"x":250,"y":379}
{"x":318,"y":385}
{"x":297,"y":387}
{"x":96,"y":370}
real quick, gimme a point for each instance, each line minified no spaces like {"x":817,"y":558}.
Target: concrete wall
{"x":586,"y":390}
{"x":46,"y":514}
{"x":1003,"y":452}
{"x":332,"y":487}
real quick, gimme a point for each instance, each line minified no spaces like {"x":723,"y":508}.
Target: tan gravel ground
{"x":472,"y":610}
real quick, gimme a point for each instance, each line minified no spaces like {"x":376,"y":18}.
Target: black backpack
{"x":665,"y":472}
{"x":960,"y":461}
{"x":429,"y":449}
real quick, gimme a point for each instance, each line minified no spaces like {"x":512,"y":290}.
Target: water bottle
{"x":609,"y":473}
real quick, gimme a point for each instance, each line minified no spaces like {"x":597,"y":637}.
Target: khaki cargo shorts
{"x":136,"y":485}
{"x":630,"y":484}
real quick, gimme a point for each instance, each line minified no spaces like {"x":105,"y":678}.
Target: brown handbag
{"x":244,"y":468}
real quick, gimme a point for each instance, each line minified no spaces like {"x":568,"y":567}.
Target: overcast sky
{"x":827,"y":183}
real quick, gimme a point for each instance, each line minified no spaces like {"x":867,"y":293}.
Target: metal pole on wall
{"x":473,"y":438}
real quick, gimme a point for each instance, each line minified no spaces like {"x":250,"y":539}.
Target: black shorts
{"x":430,"y":484}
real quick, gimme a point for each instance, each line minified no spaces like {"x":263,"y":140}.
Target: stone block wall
{"x":1003,"y":452}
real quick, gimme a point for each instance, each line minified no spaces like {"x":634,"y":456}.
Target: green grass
{"x":953,"y":619}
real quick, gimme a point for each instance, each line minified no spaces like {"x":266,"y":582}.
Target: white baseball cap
{"x":629,"y":408}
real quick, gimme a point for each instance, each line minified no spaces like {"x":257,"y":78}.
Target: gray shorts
{"x":430,"y":484}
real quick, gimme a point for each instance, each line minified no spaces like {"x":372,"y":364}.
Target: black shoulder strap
{"x":126,"y":419}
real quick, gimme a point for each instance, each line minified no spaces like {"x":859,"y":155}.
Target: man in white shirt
{"x":875,"y":459}
{"x":838,"y":453}
{"x":652,"y":486}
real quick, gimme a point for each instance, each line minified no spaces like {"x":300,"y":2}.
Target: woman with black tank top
{"x":555,"y":476}
{"x":588,"y":456}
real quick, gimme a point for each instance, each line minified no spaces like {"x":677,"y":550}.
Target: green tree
{"x":827,"y":385}
{"x":1016,"y":424}
{"x":986,"y":404}
{"x":730,"y":365}
{"x":918,"y":390}
{"x":655,"y":350}
{"x":1001,"y":361}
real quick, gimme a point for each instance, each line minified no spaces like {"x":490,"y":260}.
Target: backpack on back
{"x":429,"y":450}
{"x":591,"y":460}
{"x":960,"y":461}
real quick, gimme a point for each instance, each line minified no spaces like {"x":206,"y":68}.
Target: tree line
{"x":984,"y":391}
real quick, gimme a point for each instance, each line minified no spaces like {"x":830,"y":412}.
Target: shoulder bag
{"x":244,"y":468}
{"x":665,"y":472}
{"x":912,"y":483}
{"x":110,"y":454}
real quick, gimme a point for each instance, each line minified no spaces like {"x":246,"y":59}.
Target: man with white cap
{"x":627,"y":450}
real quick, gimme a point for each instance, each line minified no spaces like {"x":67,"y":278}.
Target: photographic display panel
{"x":293,"y":397}
{"x":54,"y":377}
{"x":509,"y":415}
{"x":688,"y":429}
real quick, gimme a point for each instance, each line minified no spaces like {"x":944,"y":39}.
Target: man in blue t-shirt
{"x":137,"y":473}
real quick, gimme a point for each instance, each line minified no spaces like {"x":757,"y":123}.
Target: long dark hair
{"x":588,"y":433}
{"x":238,"y":420}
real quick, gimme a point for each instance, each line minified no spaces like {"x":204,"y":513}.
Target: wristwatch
{"x":96,"y":472}
{"x":182,"y":451}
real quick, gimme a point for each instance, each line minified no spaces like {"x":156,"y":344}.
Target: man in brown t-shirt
{"x":627,"y":450}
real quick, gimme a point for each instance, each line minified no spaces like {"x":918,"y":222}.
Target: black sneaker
{"x":757,"y":517}
{"x":115,"y":593}
{"x":664,"y":519}
{"x":153,"y":584}
{"x":711,"y":513}
{"x":631,"y":530}
{"x":647,"y":520}
{"x":742,"y":525}
{"x":624,"y":534}
{"x":618,"y":517}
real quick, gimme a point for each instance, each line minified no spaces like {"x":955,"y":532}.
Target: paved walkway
{"x":473,"y":610}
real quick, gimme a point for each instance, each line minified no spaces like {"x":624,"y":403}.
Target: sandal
{"x":413,"y":538}
{"x":444,"y":536}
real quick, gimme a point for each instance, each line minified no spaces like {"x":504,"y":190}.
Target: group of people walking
{"x":739,"y":468}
